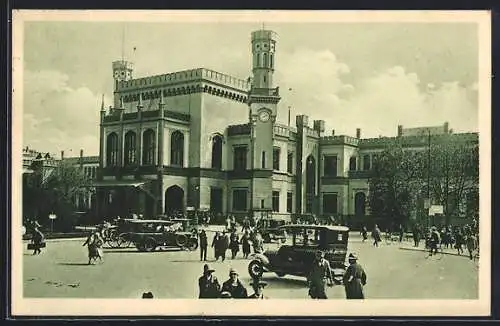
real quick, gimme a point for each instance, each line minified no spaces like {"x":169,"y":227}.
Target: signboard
{"x":190,"y":208}
{"x":435,"y":209}
{"x":52,"y":216}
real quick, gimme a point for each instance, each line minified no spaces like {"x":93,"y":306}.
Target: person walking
{"x":203,"y":245}
{"x":354,"y":279}
{"x":94,"y":247}
{"x":435,"y":240}
{"x":376,"y":235}
{"x":234,"y":245}
{"x":364,"y":233}
{"x":38,"y":240}
{"x":234,"y":286}
{"x":319,"y":276}
{"x":223,"y":245}
{"x":258,"y":243}
{"x":208,"y":284}
{"x":245,"y":244}
{"x":216,"y":245}
{"x":471,"y":243}
{"x":459,"y":241}
{"x":401,"y":231}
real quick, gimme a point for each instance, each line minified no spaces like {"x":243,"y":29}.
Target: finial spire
{"x":102,"y":103}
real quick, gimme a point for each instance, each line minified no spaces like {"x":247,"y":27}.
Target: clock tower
{"x":263,"y":100}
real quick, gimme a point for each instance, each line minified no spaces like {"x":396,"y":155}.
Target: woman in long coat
{"x":94,"y":245}
{"x":354,"y":279}
{"x":246,"y":244}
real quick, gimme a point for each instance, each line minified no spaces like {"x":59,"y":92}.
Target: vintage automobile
{"x":148,"y":235}
{"x":271,"y":230}
{"x":297,"y":258}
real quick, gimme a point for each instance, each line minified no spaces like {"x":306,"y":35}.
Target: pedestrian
{"x":245,"y":244}
{"x":354,"y":279}
{"x":364,"y":233}
{"x":258,"y":288}
{"x":223,"y":245}
{"x":319,"y":276}
{"x":459,"y":241}
{"x":203,"y":245}
{"x":234,"y":245}
{"x":208,"y":284}
{"x":376,"y":235}
{"x":94,"y":246}
{"x":258,"y":243}
{"x":435,"y":240}
{"x":216,"y":246}
{"x":38,"y":240}
{"x":471,"y":243}
{"x":234,"y":286}
{"x":401,"y":233}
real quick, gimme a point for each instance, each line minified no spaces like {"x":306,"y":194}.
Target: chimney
{"x":319,"y":126}
{"x":400,"y":130}
{"x":333,"y":132}
{"x":358,"y":133}
{"x":302,"y":121}
{"x":446,"y":126}
{"x":62,"y":155}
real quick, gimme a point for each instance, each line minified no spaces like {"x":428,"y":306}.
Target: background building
{"x":165,"y":145}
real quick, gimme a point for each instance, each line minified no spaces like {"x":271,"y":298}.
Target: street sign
{"x":435,"y":209}
{"x":52,"y":216}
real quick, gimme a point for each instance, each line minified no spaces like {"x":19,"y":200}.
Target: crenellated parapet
{"x":340,"y":140}
{"x":198,"y":80}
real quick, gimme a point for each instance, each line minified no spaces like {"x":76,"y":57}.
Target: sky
{"x":373,"y":76}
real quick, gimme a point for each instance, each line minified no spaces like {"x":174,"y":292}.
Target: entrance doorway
{"x":174,"y":199}
{"x":216,"y":200}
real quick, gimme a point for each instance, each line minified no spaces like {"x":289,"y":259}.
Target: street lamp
{"x":52,"y":217}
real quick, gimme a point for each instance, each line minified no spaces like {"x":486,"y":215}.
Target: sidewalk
{"x":446,"y":251}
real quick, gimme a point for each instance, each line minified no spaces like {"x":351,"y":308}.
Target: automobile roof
{"x":312,"y":226}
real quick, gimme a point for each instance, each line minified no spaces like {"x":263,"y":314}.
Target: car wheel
{"x":149,"y":245}
{"x":255,"y":269}
{"x":181,"y":240}
{"x":280,"y":274}
{"x":193,"y":244}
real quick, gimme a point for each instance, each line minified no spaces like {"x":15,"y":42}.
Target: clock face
{"x":264,"y":116}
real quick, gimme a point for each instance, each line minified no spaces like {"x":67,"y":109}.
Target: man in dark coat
{"x":354,"y":279}
{"x":234,"y":286}
{"x":319,"y":276}
{"x":223,"y":244}
{"x":216,"y":245}
{"x":234,"y":245}
{"x":258,"y":287}
{"x":208,"y":284}
{"x":376,"y":234}
{"x":203,"y":245}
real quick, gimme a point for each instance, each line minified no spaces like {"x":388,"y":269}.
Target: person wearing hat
{"x":435,"y":240}
{"x":234,"y":286}
{"x":203,"y":245}
{"x":208,"y":284}
{"x":258,"y":287}
{"x":354,"y":279}
{"x":147,"y":295}
{"x":319,"y":276}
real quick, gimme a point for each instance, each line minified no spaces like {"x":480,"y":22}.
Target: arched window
{"x":352,"y":163}
{"x":360,"y":204}
{"x":217,"y":152}
{"x":265,"y":59}
{"x":112,"y":149}
{"x":130,"y":148}
{"x":148,"y":147}
{"x":177,"y":148}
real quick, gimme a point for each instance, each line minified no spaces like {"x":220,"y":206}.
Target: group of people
{"x":233,"y":288}
{"x":223,"y":241}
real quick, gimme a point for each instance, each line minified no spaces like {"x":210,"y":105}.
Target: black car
{"x":297,"y":257}
{"x":271,"y":230}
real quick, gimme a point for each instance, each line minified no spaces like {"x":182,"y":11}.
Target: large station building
{"x":206,"y":140}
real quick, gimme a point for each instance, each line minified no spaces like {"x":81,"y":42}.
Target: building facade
{"x":166,"y":145}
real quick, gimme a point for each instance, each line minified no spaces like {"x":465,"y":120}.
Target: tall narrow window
{"x":352,"y":163}
{"x":263,"y":160}
{"x":239,"y":200}
{"x":177,"y":148}
{"x":289,"y":202}
{"x":265,"y":59}
{"x":330,"y":166}
{"x":217,"y":152}
{"x":366,"y":162}
{"x":330,"y":204}
{"x":276,"y":201}
{"x":130,"y":148}
{"x":112,"y":149}
{"x":240,"y":158}
{"x":289,"y":162}
{"x":276,"y":158}
{"x":148,"y":147}
{"x":271,"y":59}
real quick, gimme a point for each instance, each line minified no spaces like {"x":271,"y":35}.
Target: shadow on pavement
{"x":74,"y":264}
{"x":286,"y":282}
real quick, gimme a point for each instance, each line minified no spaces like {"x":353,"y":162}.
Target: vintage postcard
{"x":331,"y":163}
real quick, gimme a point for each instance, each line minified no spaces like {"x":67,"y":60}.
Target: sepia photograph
{"x":334,"y":163}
